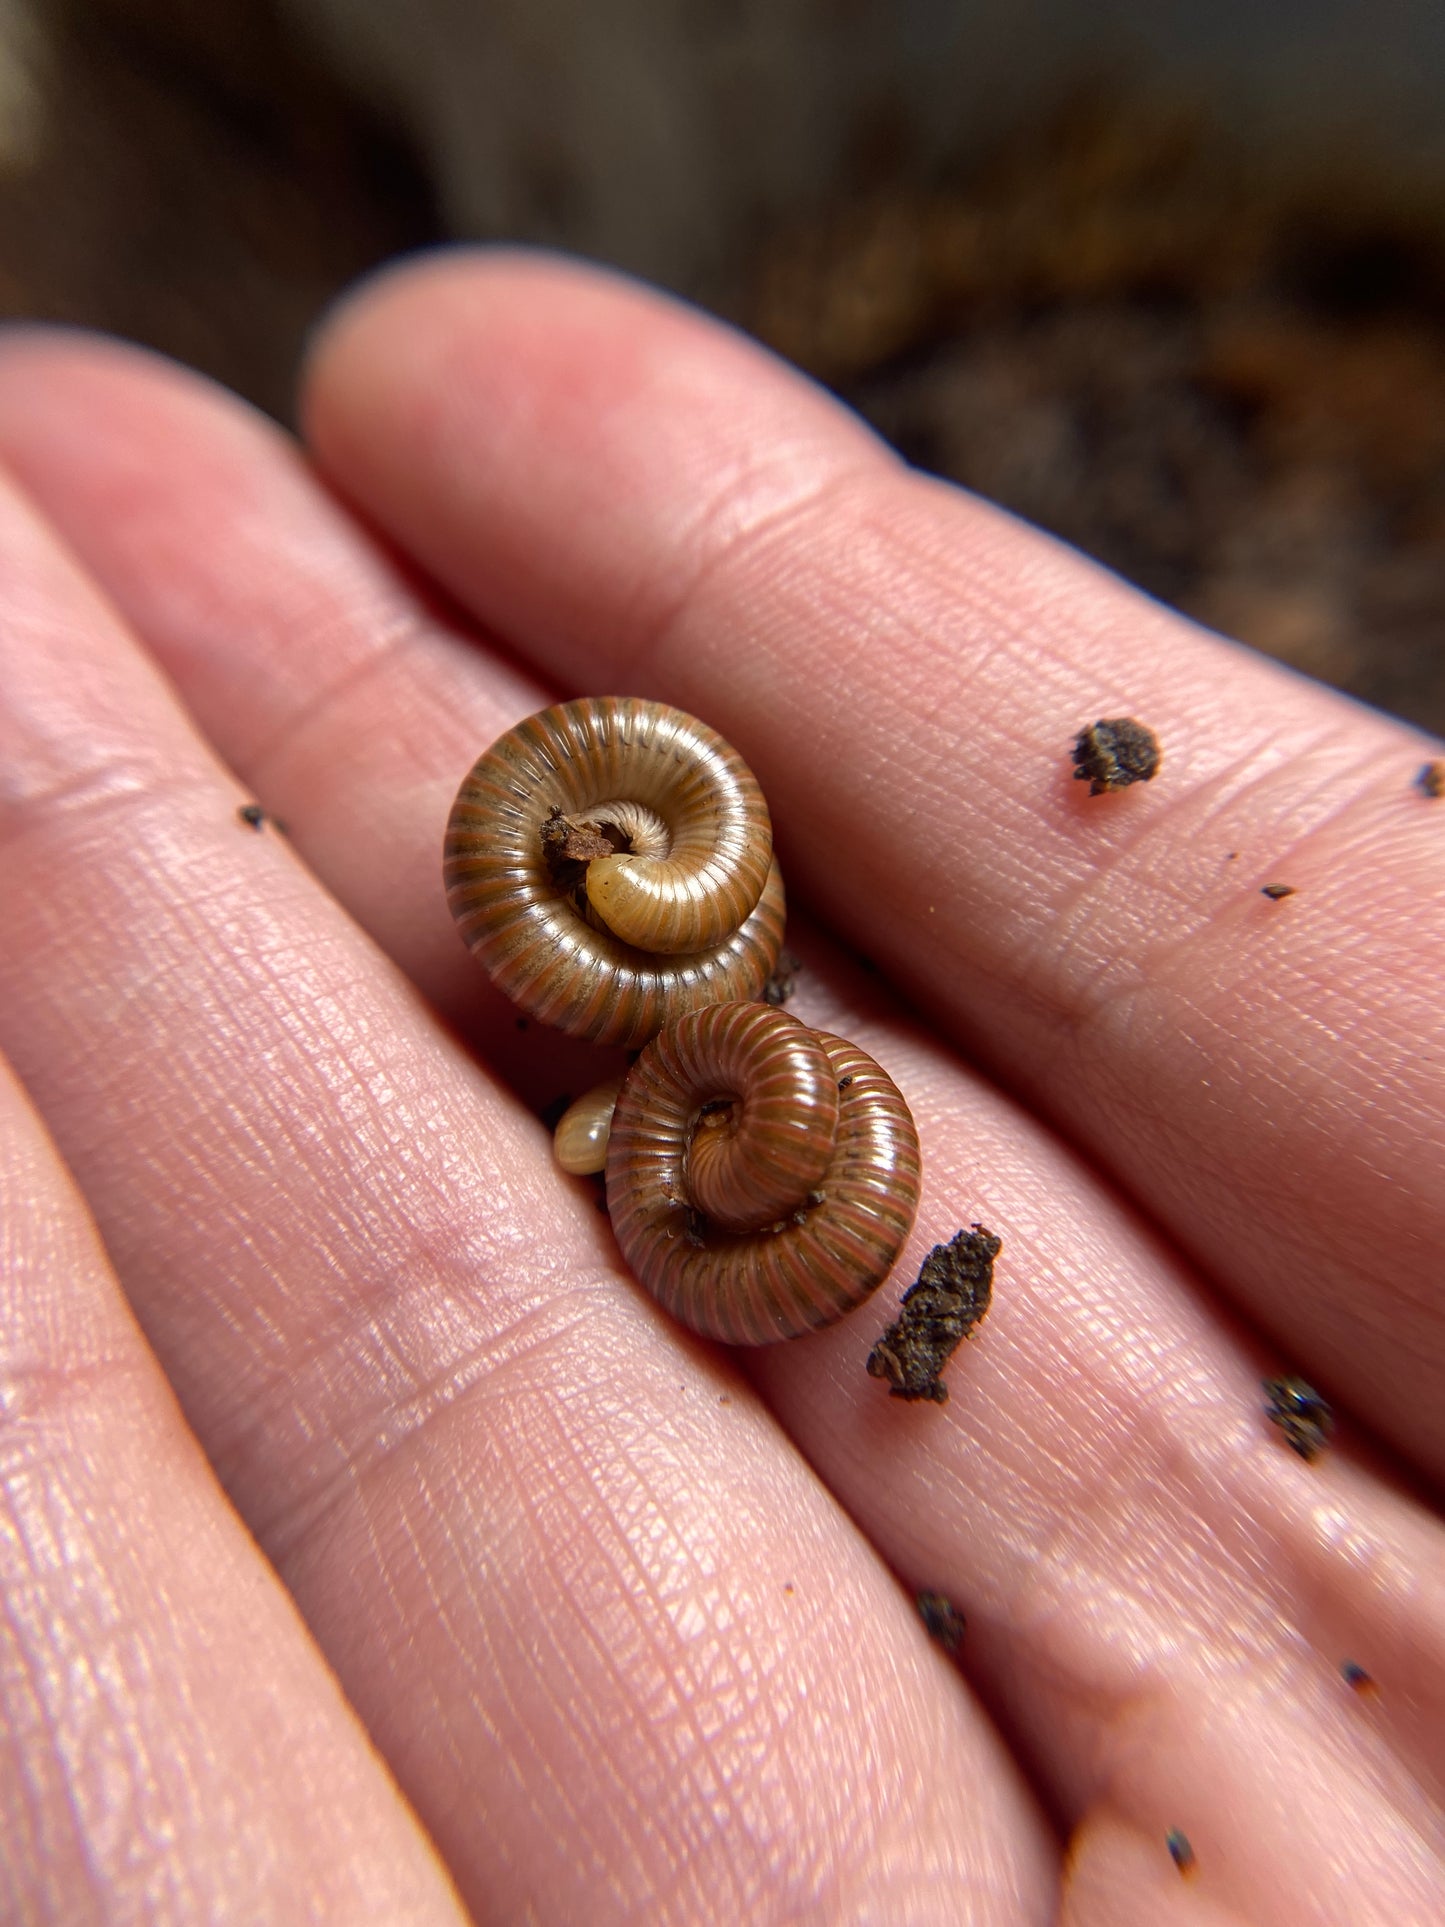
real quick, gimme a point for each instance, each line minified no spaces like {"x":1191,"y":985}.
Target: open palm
{"x":627,"y":1619}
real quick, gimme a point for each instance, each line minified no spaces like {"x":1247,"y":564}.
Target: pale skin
{"x":628,"y":1620}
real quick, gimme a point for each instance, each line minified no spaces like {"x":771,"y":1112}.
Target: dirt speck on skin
{"x":781,"y":985}
{"x":953,"y":1293}
{"x":256,"y":818}
{"x":1180,"y":1851}
{"x":942,"y":1619}
{"x":1301,"y":1414}
{"x":1114,"y":753}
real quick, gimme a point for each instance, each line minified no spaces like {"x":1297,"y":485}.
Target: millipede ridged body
{"x":678,"y":904}
{"x":778,"y":1211}
{"x":610,"y":864}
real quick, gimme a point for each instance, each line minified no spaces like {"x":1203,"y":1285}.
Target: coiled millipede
{"x":610,"y":864}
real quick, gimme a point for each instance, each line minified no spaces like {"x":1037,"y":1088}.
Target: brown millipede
{"x":610,"y":864}
{"x":761,"y":1177}
{"x":684,"y":909}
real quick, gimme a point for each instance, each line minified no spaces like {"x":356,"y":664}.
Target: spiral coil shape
{"x":761,"y":1177}
{"x":678,"y":903}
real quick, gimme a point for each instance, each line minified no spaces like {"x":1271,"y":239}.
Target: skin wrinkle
{"x":640,"y":388}
{"x":403,"y":1267}
{"x":396,"y":633}
{"x":20,"y":1732}
{"x":892,"y":583}
{"x":116,"y":1650}
{"x":737,"y":542}
{"x":467,"y":1632}
{"x":103,"y":1709}
{"x":1198,"y":1462}
{"x":711,"y":1692}
{"x":565,"y":1537}
{"x":1058,"y":1582}
{"x":340,"y":554}
{"x":406,"y":1425}
{"x":42,"y":1529}
{"x":385,"y":594}
{"x":1092,"y":903}
{"x":591,"y":1845}
{"x":697,"y":1788}
{"x":605,"y":1649}
{"x":1056,"y":964}
{"x":1120,"y":1015}
{"x":984,"y":638}
{"x":335,"y":1044}
{"x":39,"y":1397}
{"x":86,"y":797}
{"x":1025,"y":1265}
{"x":1260,"y":1089}
{"x":649,"y":1587}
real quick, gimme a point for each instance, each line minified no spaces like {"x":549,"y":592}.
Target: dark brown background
{"x":1225,"y":380}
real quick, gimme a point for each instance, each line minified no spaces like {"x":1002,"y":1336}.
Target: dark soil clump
{"x":953,"y":1292}
{"x":1301,"y":1414}
{"x":1111,"y":755}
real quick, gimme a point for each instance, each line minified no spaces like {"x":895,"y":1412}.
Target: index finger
{"x":638,"y":499}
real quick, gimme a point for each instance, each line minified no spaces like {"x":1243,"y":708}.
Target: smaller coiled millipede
{"x":610,"y":863}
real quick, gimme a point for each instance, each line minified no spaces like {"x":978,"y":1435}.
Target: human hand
{"x":628,"y":1618}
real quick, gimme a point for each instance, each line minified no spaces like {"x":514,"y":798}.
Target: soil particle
{"x":954,"y":1288}
{"x":941,"y":1617}
{"x":781,"y":985}
{"x":1114,"y":753}
{"x":1300,"y":1413}
{"x":1180,"y":1851}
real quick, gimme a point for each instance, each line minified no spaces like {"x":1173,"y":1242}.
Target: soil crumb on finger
{"x":953,"y":1293}
{"x":1113,"y":753}
{"x":1301,"y":1414}
{"x":943,"y":1620}
{"x":1180,"y":1851}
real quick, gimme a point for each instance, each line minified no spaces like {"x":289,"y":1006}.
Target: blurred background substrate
{"x":1168,"y":279}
